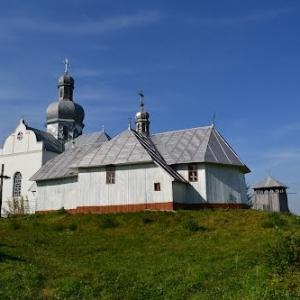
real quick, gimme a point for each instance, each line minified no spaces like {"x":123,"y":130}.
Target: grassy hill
{"x":234,"y":254}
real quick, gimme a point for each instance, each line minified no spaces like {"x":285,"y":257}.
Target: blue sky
{"x":240,"y":59}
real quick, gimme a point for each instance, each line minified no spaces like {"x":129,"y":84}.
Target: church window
{"x":193,"y":173}
{"x":17,"y":185}
{"x":110,"y":175}
{"x":20,"y":136}
{"x":157,"y":186}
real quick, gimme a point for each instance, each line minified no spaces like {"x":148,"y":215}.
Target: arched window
{"x":17,"y":185}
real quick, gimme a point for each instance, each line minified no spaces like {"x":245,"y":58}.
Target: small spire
{"x":67,"y":66}
{"x":103,"y":128}
{"x":141,"y":94}
{"x":213,"y":119}
{"x":129,"y":123}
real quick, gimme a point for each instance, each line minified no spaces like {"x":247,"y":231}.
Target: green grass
{"x":220,"y":254}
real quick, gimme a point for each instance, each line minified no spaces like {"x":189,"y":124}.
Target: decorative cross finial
{"x":141,"y":94}
{"x":67,"y":66}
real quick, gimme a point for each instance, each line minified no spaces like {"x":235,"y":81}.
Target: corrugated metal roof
{"x":61,"y":165}
{"x":202,"y":144}
{"x":269,"y":182}
{"x":122,"y":149}
{"x":89,"y":138}
{"x":49,"y":141}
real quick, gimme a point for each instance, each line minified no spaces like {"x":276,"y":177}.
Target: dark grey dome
{"x":65,"y":110}
{"x":65,"y":79}
{"x":142,"y":115}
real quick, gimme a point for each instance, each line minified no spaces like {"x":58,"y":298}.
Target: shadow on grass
{"x":6,"y":257}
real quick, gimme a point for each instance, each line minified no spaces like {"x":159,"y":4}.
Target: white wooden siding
{"x":196,"y":191}
{"x":225,"y":185}
{"x":55,"y":194}
{"x":133,"y":185}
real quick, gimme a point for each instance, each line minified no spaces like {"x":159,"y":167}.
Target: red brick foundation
{"x":197,"y":206}
{"x":166,"y":206}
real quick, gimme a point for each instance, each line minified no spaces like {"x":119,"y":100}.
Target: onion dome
{"x":65,"y":110}
{"x":65,"y":79}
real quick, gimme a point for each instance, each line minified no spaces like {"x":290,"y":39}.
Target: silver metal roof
{"x":122,"y":149}
{"x":49,"y":141}
{"x":269,"y":182}
{"x":88,"y":138}
{"x":61,"y":165}
{"x":202,"y":144}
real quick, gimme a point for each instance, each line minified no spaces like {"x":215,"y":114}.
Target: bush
{"x":62,"y":211}
{"x":147,"y":220}
{"x":192,"y":225}
{"x":283,"y":254}
{"x":109,"y":222}
{"x":273,"y":220}
{"x":72,"y":227}
{"x":15,"y":225}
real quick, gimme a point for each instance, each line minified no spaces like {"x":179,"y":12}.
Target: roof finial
{"x":103,"y":128}
{"x":67,"y":66}
{"x":141,"y":94}
{"x":129,"y":123}
{"x":213,"y":119}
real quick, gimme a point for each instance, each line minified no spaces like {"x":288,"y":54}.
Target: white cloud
{"x":11,"y":26}
{"x":250,"y":18}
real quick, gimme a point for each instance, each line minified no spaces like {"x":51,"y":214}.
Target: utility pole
{"x":2,"y":177}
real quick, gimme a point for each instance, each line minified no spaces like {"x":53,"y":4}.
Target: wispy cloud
{"x":286,"y":129}
{"x":87,"y":27}
{"x":249,"y":18}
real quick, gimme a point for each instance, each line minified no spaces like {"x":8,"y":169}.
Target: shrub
{"x":109,"y":222}
{"x":273,"y":220}
{"x":72,"y":227}
{"x":192,"y":225}
{"x":62,"y":211}
{"x":58,"y":227}
{"x":283,"y":254}
{"x":15,"y":225}
{"x":147,"y":220}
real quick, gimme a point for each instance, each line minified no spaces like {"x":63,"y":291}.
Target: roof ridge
{"x":180,"y":130}
{"x":209,"y":133}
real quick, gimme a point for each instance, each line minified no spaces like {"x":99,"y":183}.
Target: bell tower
{"x":64,"y":116}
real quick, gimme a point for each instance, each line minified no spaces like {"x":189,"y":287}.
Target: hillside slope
{"x":234,"y":254}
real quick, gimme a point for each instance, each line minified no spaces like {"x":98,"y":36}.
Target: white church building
{"x":135,"y":170}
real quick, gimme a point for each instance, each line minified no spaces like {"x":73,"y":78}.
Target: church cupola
{"x":142,"y":122}
{"x":64,"y":116}
{"x":65,"y":84}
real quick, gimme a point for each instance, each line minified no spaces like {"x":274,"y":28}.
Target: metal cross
{"x":67,"y":66}
{"x":2,"y":177}
{"x":141,"y":94}
{"x":213,"y":121}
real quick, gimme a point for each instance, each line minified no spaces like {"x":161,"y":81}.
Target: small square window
{"x":110,"y":175}
{"x":193,"y":173}
{"x":157,"y":186}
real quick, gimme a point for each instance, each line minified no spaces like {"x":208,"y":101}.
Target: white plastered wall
{"x":22,"y":153}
